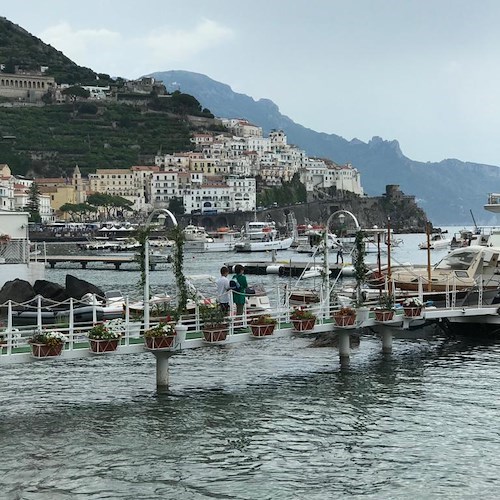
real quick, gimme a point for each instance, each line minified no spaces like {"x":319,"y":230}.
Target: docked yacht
{"x":461,"y":269}
{"x":260,"y":237}
{"x":198,"y":240}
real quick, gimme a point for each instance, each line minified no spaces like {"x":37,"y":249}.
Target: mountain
{"x":18,"y":48}
{"x":447,"y":190}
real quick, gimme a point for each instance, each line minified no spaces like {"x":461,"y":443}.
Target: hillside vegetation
{"x":51,"y":140}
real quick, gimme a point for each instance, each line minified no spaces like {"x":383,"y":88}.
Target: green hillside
{"x":50,"y":140}
{"x":20,"y":48}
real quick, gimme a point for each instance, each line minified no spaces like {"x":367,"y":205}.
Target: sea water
{"x":269,"y":419}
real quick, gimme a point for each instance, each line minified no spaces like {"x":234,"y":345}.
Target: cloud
{"x":131,"y":56}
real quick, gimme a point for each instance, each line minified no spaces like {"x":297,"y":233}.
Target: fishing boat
{"x":261,"y":237}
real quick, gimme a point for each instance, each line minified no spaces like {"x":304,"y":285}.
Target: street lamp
{"x":341,"y":216}
{"x":161,"y":218}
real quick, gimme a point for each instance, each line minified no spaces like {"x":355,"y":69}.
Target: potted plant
{"x":105,"y":337}
{"x":412,"y":307}
{"x":345,"y":316}
{"x":302,"y":319}
{"x":385,"y":309}
{"x":160,"y":336}
{"x":262,"y":325}
{"x":47,"y":343}
{"x":215,"y":326}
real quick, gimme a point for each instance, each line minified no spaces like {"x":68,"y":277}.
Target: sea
{"x":269,"y":419}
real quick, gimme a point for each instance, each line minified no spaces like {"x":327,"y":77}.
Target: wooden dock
{"x":116,"y":261}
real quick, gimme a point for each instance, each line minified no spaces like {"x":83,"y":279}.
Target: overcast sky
{"x":424,"y":72}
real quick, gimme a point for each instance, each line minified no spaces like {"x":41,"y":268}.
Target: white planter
{"x":181,"y":331}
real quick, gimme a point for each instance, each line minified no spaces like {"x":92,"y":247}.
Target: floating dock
{"x":282,"y":268}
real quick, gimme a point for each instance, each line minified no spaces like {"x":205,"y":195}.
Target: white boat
{"x":261,"y":237}
{"x":195,"y":233}
{"x":437,"y":241}
{"x":313,"y":241}
{"x":463,"y":269}
{"x":223,"y":240}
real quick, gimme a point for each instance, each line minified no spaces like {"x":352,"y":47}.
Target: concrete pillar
{"x":161,"y":370}
{"x":386,"y":340}
{"x":344,"y":345}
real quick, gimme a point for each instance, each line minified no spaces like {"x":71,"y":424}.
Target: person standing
{"x":223,"y":288}
{"x":340,"y":252}
{"x":239,"y":296}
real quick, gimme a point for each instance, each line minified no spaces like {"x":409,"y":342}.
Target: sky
{"x":424,"y":72}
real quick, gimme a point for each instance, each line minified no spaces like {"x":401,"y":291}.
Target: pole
{"x":327,"y":272}
{"x":146,"y":284}
{"x":389,"y":254}
{"x":428,"y":234}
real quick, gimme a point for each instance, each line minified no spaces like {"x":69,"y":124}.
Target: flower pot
{"x":344,"y":320}
{"x":262,"y":330}
{"x":303,"y":325}
{"x":46,"y":351}
{"x":163,"y":342}
{"x":216,"y":333}
{"x":105,"y":345}
{"x":181,"y":331}
{"x":412,"y":311}
{"x":384,"y":315}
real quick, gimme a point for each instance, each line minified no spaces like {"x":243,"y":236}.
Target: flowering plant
{"x":412,"y":302}
{"x":346,"y":311}
{"x":301,"y":313}
{"x":264,"y":319}
{"x":160,"y":330}
{"x":109,"y":330}
{"x":51,"y":338}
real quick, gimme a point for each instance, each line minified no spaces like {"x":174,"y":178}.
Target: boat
{"x":222,"y":240}
{"x":313,"y":241}
{"x":261,"y":237}
{"x":461,"y":269}
{"x":437,"y":241}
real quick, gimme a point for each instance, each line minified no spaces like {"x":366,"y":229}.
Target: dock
{"x":282,"y":268}
{"x":116,"y":261}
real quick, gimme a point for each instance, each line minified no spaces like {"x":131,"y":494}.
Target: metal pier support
{"x":162,"y":370}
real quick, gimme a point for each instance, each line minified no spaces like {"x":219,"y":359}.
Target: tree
{"x":33,"y":205}
{"x":176,"y":206}
{"x":109,"y":202}
{"x":77,"y":210}
{"x":76,"y":91}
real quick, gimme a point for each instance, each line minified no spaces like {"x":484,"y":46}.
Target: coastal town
{"x":222,"y":173}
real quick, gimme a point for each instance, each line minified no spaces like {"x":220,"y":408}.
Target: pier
{"x":283,"y":267}
{"x":85,"y":260}
{"x":15,"y":347}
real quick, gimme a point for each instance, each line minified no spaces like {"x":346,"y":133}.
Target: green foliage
{"x":77,"y":211}
{"x":286,"y":194}
{"x":33,"y":205}
{"x":178,"y":237}
{"x":176,"y":206}
{"x":212,"y":316}
{"x":114,"y":136}
{"x":110,"y":203}
{"x":76,"y":91}
{"x":264,"y":319}
{"x":360,"y":268}
{"x":386,"y":301}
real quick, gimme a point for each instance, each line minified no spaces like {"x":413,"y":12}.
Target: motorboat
{"x":461,"y":269}
{"x":261,"y":237}
{"x":222,"y":240}
{"x":437,"y":241}
{"x":313,"y":241}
